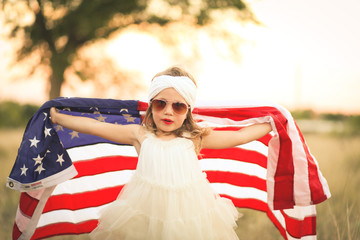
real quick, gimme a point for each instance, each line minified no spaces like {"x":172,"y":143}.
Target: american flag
{"x":67,"y":177}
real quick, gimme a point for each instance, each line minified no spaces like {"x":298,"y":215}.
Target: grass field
{"x":338,"y":218}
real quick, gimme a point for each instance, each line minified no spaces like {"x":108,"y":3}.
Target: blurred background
{"x":301,"y":54}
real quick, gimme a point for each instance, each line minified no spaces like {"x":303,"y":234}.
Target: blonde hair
{"x":189,"y":129}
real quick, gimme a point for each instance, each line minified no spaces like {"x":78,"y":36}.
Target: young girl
{"x":168,"y":197}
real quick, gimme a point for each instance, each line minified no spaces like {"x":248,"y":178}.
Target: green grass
{"x":339,"y":159}
{"x":9,"y":143}
{"x":337,"y":218}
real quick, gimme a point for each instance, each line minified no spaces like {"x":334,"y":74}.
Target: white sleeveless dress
{"x":168,"y":198}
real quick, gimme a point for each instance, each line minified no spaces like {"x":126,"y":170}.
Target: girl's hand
{"x":53,"y":113}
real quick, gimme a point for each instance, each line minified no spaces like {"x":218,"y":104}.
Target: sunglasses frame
{"x":172,"y":106}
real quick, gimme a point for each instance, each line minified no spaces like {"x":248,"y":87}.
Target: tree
{"x":57,"y":29}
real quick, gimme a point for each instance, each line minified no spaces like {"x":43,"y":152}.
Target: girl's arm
{"x":227,"y":139}
{"x":127,"y":134}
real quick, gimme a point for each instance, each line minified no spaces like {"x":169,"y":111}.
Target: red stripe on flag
{"x":251,"y":203}
{"x":284,"y":175}
{"x":97,"y":166}
{"x":16,"y":232}
{"x":299,"y":228}
{"x":265,"y":139}
{"x":236,"y":114}
{"x":276,"y":222}
{"x":237,"y":179}
{"x":238,"y":154}
{"x":316,"y":189}
{"x":27,"y":204}
{"x":227,"y":128}
{"x":64,"y":229}
{"x":142,"y":106}
{"x":82,"y":200}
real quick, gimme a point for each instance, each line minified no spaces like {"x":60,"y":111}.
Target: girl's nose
{"x":168,"y":109}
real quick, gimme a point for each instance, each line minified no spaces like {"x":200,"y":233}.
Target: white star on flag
{"x":60,"y":159}
{"x":74,"y":134}
{"x":129,"y":118}
{"x":34,"y":142}
{"x":38,"y":159}
{"x":101,"y":118}
{"x":45,"y":116}
{"x":23,"y":170}
{"x":59,"y":128}
{"x":40,"y":169}
{"x":47,"y":132}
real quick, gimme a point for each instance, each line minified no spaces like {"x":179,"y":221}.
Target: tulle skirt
{"x":151,"y":211}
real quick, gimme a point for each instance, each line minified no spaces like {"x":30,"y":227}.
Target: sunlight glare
{"x":136,"y":50}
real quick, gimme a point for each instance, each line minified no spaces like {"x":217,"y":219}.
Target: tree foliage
{"x":14,"y":115}
{"x":57,"y":29}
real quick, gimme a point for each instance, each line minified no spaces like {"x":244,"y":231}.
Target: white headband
{"x":183,"y":85}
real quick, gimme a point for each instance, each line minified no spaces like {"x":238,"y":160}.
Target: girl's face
{"x":167,"y":120}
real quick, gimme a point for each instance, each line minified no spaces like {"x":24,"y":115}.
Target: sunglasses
{"x":178,"y":107}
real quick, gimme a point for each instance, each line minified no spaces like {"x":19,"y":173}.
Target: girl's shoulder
{"x":142,"y":133}
{"x":140,"y":136}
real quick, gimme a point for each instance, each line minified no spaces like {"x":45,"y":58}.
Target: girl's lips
{"x":167,"y":121}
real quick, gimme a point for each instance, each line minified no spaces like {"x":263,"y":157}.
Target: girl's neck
{"x":165,"y":135}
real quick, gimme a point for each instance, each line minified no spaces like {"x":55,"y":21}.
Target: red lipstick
{"x":167,"y":121}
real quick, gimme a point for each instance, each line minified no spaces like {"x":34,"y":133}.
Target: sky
{"x":306,"y":54}
{"x":322,"y":39}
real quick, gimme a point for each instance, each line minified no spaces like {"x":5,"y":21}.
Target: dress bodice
{"x":168,"y":162}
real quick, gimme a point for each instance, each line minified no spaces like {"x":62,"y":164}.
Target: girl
{"x":168,"y":197}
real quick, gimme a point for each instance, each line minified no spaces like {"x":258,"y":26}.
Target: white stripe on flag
{"x":95,"y":182}
{"x":255,"y":146}
{"x":239,"y":192}
{"x":228,"y":165}
{"x":300,"y":212}
{"x":21,"y":220}
{"x":70,"y":216}
{"x":280,"y":218}
{"x":100,"y":150}
{"x":108,"y":149}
